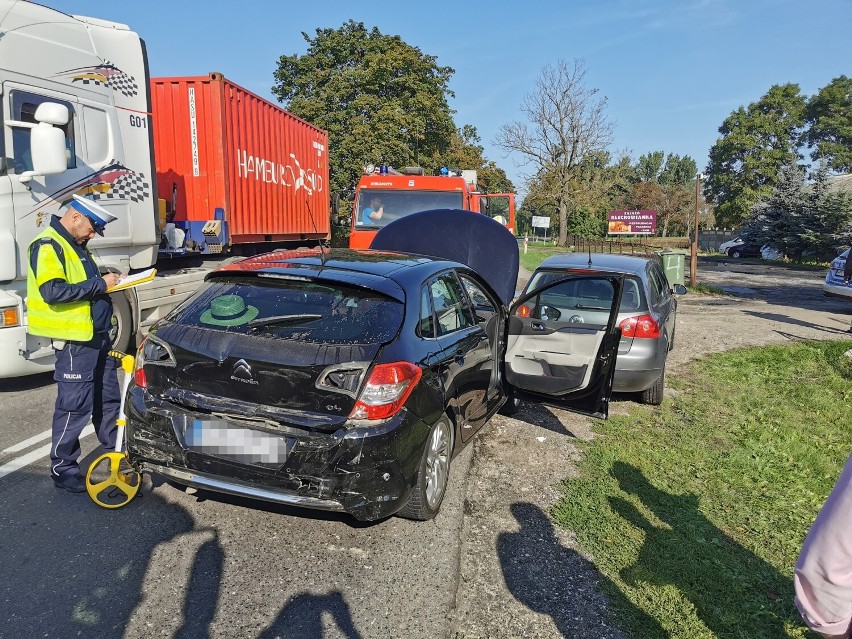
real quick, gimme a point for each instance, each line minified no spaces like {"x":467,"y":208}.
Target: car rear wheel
{"x":654,"y":395}
{"x":432,"y":474}
{"x":736,"y":253}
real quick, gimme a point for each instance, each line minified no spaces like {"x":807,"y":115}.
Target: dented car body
{"x":347,"y":380}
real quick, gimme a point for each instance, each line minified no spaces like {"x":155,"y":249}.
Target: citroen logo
{"x":242,"y":372}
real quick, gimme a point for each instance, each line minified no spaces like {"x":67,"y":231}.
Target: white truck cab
{"x":75,"y":116}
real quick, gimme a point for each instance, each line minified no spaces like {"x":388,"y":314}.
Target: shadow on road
{"x":302,"y":618}
{"x":554,"y":580}
{"x":775,"y":317}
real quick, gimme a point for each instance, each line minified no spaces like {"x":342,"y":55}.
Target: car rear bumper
{"x":368,"y":472}
{"x":638,"y":369}
{"x":837,"y":289}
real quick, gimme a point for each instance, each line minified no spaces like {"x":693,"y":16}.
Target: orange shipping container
{"x":217,"y":145}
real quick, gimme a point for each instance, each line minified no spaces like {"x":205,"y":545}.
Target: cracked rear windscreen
{"x":325,"y":312}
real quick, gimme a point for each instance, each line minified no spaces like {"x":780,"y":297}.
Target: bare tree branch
{"x":567,"y":124}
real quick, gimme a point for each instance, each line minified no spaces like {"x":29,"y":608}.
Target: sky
{"x":670,"y":70}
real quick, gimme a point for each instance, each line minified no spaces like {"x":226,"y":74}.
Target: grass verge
{"x":695,"y":512}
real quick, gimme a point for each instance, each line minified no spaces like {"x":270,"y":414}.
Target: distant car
{"x":348,"y":380}
{"x":834,"y":285}
{"x":646,"y":314}
{"x":744,"y":249}
{"x":725,"y":246}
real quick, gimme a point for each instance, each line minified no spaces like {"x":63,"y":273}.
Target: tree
{"x":379,"y":98}
{"x":755,"y":143}
{"x":829,"y":118}
{"x":567,"y":124}
{"x":665,"y":186}
{"x":798,"y":218}
{"x":465,"y":152}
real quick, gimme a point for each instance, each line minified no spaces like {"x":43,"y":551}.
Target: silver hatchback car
{"x":646,"y":315}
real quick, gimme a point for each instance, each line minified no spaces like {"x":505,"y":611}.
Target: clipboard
{"x":133,"y":280}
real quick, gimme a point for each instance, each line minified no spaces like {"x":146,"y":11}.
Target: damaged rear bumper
{"x":366,"y":471}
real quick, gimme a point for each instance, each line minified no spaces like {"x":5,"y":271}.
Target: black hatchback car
{"x":347,"y":380}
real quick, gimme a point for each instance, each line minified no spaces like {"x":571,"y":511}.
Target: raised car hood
{"x":473,"y":239}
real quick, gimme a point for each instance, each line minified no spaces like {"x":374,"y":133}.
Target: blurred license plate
{"x":224,"y":439}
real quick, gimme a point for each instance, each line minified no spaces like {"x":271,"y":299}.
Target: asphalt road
{"x":173,"y":564}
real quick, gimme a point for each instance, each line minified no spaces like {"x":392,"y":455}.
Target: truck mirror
{"x":47,"y":146}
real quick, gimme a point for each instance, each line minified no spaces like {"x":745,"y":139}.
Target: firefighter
{"x":67,"y":301}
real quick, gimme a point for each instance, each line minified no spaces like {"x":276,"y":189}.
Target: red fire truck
{"x":384,"y":195}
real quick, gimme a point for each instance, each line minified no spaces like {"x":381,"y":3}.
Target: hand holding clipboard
{"x":129,"y":281}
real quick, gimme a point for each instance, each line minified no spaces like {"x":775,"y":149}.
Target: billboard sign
{"x":540,"y":222}
{"x":632,"y":223}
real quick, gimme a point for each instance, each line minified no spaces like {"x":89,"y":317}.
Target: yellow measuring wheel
{"x":111,"y":481}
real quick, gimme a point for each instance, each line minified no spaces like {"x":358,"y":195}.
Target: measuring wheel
{"x":111,"y":481}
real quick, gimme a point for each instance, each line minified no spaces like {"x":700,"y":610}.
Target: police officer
{"x":67,"y":301}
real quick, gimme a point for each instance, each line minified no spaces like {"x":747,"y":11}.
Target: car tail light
{"x":644,"y":326}
{"x":386,"y":390}
{"x":154,"y":352}
{"x":139,"y":369}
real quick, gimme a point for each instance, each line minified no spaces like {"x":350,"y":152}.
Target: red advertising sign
{"x":632,"y":223}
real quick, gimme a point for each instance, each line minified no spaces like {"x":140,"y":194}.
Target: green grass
{"x":704,"y":288}
{"x":695,"y":511}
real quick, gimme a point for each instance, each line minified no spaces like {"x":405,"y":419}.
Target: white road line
{"x":35,"y":439}
{"x":35,"y":455}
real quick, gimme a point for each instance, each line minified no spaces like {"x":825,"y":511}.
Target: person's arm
{"x":56,"y":290}
{"x":823,"y":575}
{"x":377,"y":214}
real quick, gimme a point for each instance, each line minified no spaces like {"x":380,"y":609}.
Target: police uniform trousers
{"x":87,"y":381}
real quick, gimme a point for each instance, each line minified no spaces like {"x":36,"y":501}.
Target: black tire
{"x":735,"y":253}
{"x":511,"y":406}
{"x":432,"y":473}
{"x":121,"y":330}
{"x":654,"y":395}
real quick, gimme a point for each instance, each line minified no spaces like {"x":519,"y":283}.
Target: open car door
{"x":562,"y":341}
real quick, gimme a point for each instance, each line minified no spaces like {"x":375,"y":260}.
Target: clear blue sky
{"x":671,"y":70}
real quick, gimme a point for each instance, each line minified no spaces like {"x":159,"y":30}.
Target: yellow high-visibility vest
{"x":65,"y":320}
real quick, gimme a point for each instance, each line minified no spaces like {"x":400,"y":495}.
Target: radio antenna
{"x":314,"y":224}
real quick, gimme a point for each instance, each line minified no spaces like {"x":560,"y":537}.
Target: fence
{"x":708,"y":240}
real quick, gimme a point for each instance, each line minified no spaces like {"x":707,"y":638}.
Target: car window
{"x":325,"y":312}
{"x":451,"y":311}
{"x":632,"y":298}
{"x":585,"y":301}
{"x":478,"y":297}
{"x":426,"y":327}
{"x":661,"y":283}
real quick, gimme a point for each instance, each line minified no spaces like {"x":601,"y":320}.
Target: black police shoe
{"x":75,"y":484}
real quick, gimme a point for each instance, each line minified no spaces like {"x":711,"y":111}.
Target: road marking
{"x":35,"y":439}
{"x":34,"y":455}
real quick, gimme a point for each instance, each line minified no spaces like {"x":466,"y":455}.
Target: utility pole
{"x":693,"y":252}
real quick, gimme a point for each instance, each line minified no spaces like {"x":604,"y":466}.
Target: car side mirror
{"x":679,"y":289}
{"x":549,"y":313}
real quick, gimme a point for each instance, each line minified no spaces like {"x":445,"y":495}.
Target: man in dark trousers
{"x":67,"y":301}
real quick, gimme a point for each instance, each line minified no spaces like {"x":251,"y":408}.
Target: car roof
{"x":629,"y":264}
{"x":383,"y":271}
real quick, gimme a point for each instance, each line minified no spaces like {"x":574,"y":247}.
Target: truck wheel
{"x":121,"y":324}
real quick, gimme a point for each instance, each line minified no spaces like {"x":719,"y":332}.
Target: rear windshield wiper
{"x":593,"y":308}
{"x":296,"y":318}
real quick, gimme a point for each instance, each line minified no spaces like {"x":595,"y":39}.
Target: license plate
{"x":224,"y":439}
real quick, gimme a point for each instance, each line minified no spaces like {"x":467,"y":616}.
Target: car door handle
{"x":537,"y":326}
